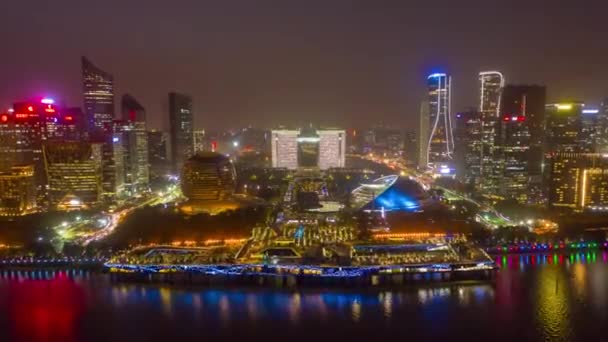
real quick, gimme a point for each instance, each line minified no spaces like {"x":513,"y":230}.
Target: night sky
{"x":329,"y":62}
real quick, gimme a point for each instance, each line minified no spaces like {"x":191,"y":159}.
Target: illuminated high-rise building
{"x":284,"y":149}
{"x":440,"y":139}
{"x":158,"y":153}
{"x":113,"y":167}
{"x":181,"y":123}
{"x":491,"y":84}
{"x":137,"y":167}
{"x":17,"y":191}
{"x":98,"y":91}
{"x":601,"y":130}
{"x":34,"y":123}
{"x":589,"y":137}
{"x":578,"y":181}
{"x":74,"y":172}
{"x":564,"y":127}
{"x":332,"y":148}
{"x":422,"y":135}
{"x":468,"y":145}
{"x":308,"y":148}
{"x":521,"y":142}
{"x":200,"y":141}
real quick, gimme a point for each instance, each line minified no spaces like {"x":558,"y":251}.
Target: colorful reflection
{"x":44,"y":309}
{"x":521,"y":261}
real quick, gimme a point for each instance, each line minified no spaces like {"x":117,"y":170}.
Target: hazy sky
{"x":329,"y":62}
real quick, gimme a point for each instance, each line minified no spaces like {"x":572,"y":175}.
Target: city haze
{"x":265,"y":63}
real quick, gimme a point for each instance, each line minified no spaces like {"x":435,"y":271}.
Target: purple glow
{"x":47,"y":101}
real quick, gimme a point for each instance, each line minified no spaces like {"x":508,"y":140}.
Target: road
{"x":98,"y":226}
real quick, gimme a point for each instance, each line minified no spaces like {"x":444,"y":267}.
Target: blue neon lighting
{"x":436,"y":75}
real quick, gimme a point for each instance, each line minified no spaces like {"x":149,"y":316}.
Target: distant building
{"x":74,"y":171}
{"x":284,"y":149}
{"x":158,"y":153}
{"x":200,"y":141}
{"x":31,"y":124}
{"x":578,"y":181}
{"x":440,"y":138}
{"x":113,"y":167}
{"x":98,"y":92}
{"x":137,"y":166}
{"x":521,"y":142}
{"x":601,"y":128}
{"x":208,"y":181}
{"x":332,"y":149}
{"x":564,"y":127}
{"x":589,"y":137}
{"x":410,"y":149}
{"x":208,"y":176}
{"x":181,"y":123}
{"x":134,"y":146}
{"x":384,"y":141}
{"x":468,"y":147}
{"x":491,"y":87}
{"x":308,"y":148}
{"x":423,"y":135}
{"x":17,"y":191}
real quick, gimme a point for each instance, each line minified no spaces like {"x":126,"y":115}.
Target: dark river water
{"x":534,"y":298}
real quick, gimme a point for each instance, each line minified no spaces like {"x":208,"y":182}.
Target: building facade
{"x":284,"y":149}
{"x":74,"y":171}
{"x":578,"y":181}
{"x":208,"y":176}
{"x":521,"y":140}
{"x":158,"y":153}
{"x":491,"y":84}
{"x":137,"y":166}
{"x":441,"y":140}
{"x":308,"y":148}
{"x":564,"y":127}
{"x":181,"y":124}
{"x":468,"y":148}
{"x":98,"y":92}
{"x":17,"y":191}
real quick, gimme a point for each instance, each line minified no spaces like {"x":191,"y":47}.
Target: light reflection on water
{"x":536,"y":297}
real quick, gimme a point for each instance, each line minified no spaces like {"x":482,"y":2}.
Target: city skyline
{"x":376,"y":72}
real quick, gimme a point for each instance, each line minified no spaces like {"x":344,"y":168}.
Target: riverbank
{"x":292,"y":276}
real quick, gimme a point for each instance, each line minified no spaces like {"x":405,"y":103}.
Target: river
{"x":534,"y":298}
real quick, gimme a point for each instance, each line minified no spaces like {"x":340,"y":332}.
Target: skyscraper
{"x":578,"y":180}
{"x":181,"y":123}
{"x":423,"y":135}
{"x":601,"y":131}
{"x":17,"y":191}
{"x":564,"y":127}
{"x":308,"y":148}
{"x":74,"y":173}
{"x":284,"y":149}
{"x":491,"y":86}
{"x":468,"y":145}
{"x":135,"y":142}
{"x":441,"y":140}
{"x":332,"y":148}
{"x":113,"y":167}
{"x":98,"y":91}
{"x":158,"y":153}
{"x":200,"y":140}
{"x":520,"y":142}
